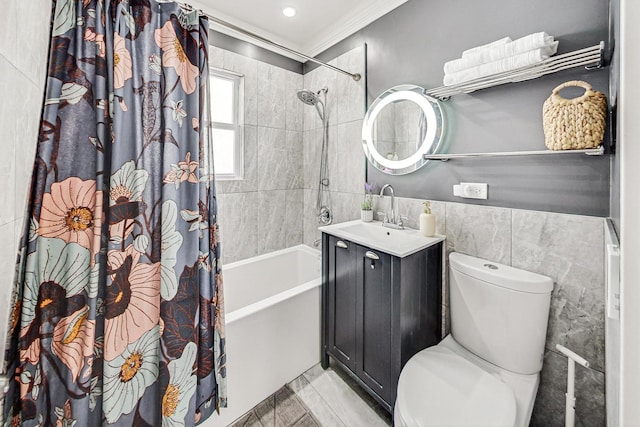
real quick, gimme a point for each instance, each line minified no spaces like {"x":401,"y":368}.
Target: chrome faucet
{"x":392,"y":220}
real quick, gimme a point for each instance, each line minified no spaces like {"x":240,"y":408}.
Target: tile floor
{"x":318,"y":398}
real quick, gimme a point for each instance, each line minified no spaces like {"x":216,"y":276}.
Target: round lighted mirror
{"x":400,"y":127}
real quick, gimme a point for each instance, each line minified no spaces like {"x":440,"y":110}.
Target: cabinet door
{"x":373,"y":331}
{"x":341,"y":304}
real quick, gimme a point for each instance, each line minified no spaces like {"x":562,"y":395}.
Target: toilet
{"x":487,"y":371}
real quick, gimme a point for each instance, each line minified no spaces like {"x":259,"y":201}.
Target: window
{"x":227,"y":115}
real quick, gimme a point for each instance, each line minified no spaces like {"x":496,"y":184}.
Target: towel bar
{"x":589,"y":57}
{"x":444,"y":157}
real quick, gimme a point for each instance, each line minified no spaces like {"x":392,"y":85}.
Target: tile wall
{"x":273,"y":207}
{"x":263,"y":212}
{"x":345,"y":111}
{"x":23,"y":60}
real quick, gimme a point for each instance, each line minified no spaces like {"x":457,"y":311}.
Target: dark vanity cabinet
{"x":378,"y":311}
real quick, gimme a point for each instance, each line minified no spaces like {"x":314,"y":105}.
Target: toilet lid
{"x":438,"y":387}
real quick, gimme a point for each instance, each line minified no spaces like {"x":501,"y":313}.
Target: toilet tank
{"x":499,"y":312}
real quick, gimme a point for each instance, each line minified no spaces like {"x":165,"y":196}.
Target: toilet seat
{"x":438,"y":387}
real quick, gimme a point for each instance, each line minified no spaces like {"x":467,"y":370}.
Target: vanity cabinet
{"x":378,"y":311}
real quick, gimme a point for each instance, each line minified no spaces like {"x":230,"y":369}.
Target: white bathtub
{"x":273,"y":325}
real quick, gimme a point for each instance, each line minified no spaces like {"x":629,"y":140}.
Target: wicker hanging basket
{"x":573,"y":124}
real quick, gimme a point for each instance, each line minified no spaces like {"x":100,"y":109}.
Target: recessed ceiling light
{"x":289,"y":12}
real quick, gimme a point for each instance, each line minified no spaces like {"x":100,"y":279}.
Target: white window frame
{"x":237,"y":125}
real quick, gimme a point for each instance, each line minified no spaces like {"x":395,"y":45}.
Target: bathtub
{"x":273,"y":325}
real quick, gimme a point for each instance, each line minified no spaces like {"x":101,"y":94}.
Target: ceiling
{"x":317,"y":25}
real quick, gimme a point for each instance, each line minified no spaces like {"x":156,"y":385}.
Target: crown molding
{"x":349,"y":24}
{"x":251,"y":28}
{"x":333,"y":34}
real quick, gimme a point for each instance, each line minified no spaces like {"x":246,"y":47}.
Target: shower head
{"x":311,"y":98}
{"x":308,"y":97}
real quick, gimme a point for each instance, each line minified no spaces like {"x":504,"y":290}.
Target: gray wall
{"x":411,"y":44}
{"x":241,"y":47}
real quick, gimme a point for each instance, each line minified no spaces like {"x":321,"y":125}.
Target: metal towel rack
{"x":589,"y":57}
{"x":444,"y":157}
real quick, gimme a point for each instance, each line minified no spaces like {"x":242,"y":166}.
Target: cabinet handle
{"x":371,"y":255}
{"x":341,"y":244}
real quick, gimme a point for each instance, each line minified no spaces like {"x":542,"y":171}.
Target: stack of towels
{"x":498,"y":57}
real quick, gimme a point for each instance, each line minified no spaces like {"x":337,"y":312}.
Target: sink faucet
{"x":392,"y":219}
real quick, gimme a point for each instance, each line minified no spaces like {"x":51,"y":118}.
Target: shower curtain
{"x":117,"y":315}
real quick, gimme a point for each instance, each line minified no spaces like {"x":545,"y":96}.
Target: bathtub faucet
{"x":392,"y":219}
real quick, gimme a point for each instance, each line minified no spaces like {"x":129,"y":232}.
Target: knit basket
{"x":574,"y":124}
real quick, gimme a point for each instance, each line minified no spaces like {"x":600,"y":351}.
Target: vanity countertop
{"x":400,"y":243}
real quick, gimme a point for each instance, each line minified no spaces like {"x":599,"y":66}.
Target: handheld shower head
{"x":311,"y":98}
{"x":308,"y":97}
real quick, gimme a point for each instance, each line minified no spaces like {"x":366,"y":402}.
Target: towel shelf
{"x":590,"y":57}
{"x":444,"y":157}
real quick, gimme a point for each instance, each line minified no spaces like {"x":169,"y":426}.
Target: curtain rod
{"x":355,"y":76}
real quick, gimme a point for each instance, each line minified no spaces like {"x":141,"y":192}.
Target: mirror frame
{"x":432,"y":140}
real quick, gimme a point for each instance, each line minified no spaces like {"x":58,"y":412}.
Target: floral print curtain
{"x":117,"y":314}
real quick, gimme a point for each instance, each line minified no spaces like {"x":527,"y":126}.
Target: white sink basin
{"x":399,"y":243}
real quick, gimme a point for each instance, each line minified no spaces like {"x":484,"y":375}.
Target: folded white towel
{"x":502,"y":65}
{"x":484,"y":56}
{"x":487,"y":46}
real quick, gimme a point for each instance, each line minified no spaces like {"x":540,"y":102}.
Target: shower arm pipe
{"x":355,"y":76}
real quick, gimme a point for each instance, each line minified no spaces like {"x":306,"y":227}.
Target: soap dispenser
{"x":427,"y":221}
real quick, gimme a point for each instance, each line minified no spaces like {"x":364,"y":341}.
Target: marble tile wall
{"x":346,"y":162}
{"x":569,"y":249}
{"x":23,"y":61}
{"x":263,"y":212}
